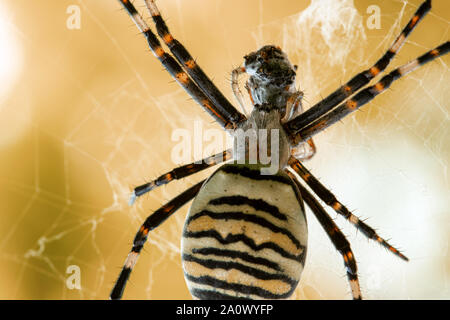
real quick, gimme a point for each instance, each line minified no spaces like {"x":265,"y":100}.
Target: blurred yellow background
{"x":87,"y":114}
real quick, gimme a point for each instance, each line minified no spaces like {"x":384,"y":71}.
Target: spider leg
{"x":179,"y":173}
{"x":336,"y":236}
{"x":152,"y":222}
{"x":313,"y":149}
{"x":223,"y":115}
{"x":293,"y":108}
{"x":366,"y":95}
{"x":192,"y":68}
{"x":360,"y":79}
{"x":235,"y":86}
{"x":326,"y":196}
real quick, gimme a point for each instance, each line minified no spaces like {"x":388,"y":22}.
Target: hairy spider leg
{"x":180,"y":173}
{"x":293,"y":108}
{"x":192,"y":68}
{"x":336,"y":236}
{"x":360,"y":80}
{"x":222,"y":116}
{"x":152,"y":222}
{"x":235,"y":86}
{"x":329,"y":198}
{"x":366,"y":95}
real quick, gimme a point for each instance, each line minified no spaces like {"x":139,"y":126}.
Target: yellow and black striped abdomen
{"x":245,"y":236}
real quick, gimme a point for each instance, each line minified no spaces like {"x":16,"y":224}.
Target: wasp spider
{"x":245,"y":236}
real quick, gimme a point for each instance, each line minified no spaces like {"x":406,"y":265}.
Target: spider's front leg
{"x":361,"y":79}
{"x":186,"y":72}
{"x":303,"y":150}
{"x":366,"y":95}
{"x":189,"y":64}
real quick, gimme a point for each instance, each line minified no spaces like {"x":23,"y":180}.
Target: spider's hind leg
{"x":336,"y":236}
{"x":326,"y":196}
{"x":152,"y":222}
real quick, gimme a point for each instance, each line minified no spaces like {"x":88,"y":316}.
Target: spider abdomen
{"x":245,"y":236}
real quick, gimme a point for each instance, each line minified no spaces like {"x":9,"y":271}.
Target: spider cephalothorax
{"x":272,"y":77}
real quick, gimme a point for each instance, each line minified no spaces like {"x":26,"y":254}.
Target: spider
{"x":245,"y":236}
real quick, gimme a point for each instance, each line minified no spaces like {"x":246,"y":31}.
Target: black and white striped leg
{"x":326,"y":196}
{"x":336,"y":236}
{"x":193,"y":69}
{"x":152,"y":222}
{"x":180,"y":173}
{"x":366,"y":95}
{"x":225,"y":116}
{"x":360,"y":79}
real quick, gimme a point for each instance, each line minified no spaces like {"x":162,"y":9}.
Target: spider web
{"x":90,"y":114}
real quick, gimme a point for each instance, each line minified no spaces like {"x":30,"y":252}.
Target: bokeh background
{"x":87,"y":114}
